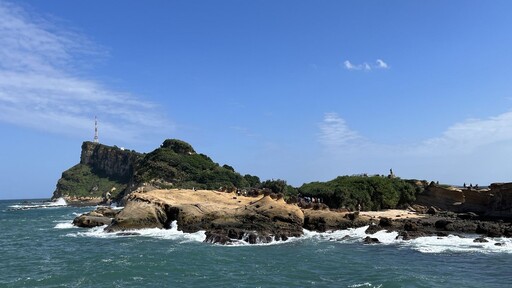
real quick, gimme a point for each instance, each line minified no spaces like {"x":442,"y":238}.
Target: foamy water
{"x":165,"y":234}
{"x":60,"y":202}
{"x":65,"y":225}
{"x":459,"y":245}
{"x":366,"y":284}
{"x":432,"y":244}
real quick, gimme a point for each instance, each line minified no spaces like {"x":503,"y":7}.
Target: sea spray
{"x":457,"y":244}
{"x":65,"y":225}
{"x":165,"y":234}
{"x":60,"y":202}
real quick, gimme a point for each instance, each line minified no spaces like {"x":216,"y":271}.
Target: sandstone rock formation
{"x":224,"y":216}
{"x":492,"y":203}
{"x":99,"y":217}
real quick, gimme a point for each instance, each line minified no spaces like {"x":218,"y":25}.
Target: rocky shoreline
{"x":228,"y":217}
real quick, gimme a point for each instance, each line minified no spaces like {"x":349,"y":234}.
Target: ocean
{"x":39,"y":247}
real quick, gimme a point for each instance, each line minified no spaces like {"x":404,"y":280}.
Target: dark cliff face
{"x":500,"y":202}
{"x":110,"y":169}
{"x":108,"y":161}
{"x":101,"y":169}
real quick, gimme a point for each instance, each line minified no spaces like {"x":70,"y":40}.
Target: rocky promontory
{"x":102,"y":171}
{"x":224,"y":216}
{"x":174,"y":183}
{"x":227,"y":217}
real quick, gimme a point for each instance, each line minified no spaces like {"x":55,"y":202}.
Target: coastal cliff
{"x":108,"y":172}
{"x":108,"y":161}
{"x":102,"y":169}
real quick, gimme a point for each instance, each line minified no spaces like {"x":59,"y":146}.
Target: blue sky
{"x":297,"y":90}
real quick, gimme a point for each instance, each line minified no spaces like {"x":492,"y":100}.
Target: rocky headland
{"x":174,"y":184}
{"x":226,"y":218}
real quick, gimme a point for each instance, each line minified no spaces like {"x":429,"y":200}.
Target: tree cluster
{"x":372,"y":193}
{"x":176,"y":163}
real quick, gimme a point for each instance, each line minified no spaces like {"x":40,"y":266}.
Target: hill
{"x":115,"y":171}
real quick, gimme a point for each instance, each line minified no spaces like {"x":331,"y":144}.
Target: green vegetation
{"x":252,"y":181}
{"x":178,"y":146}
{"x":279,"y":186}
{"x":81,"y":181}
{"x":373,"y":193}
{"x":176,"y":164}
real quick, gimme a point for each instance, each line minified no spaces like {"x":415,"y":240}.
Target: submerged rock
{"x":370,"y":240}
{"x":480,"y":240}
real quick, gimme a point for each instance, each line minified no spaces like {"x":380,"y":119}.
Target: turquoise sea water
{"x":40,"y":248}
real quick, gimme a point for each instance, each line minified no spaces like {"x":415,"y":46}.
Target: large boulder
{"x":139,"y":215}
{"x":99,"y":217}
{"x":86,"y":221}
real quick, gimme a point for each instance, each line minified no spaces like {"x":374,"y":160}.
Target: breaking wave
{"x":60,"y":202}
{"x":165,"y":234}
{"x":431,"y":244}
{"x":65,"y":225}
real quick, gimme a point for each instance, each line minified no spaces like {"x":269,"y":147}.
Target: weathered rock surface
{"x":441,"y":226}
{"x":325,"y":220}
{"x":227,"y":218}
{"x":99,"y":217}
{"x":492,"y":203}
{"x":91,"y":221}
{"x":224,"y":216}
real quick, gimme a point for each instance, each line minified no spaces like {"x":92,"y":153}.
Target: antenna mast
{"x":96,"y":139}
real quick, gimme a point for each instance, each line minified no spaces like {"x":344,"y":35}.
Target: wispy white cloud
{"x":349,"y":66}
{"x":39,"y":90}
{"x":380,"y":64}
{"x":469,"y":135}
{"x":335,"y":133}
{"x":460,"y":138}
{"x":473,"y":150}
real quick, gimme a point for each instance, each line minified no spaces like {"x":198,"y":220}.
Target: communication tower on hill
{"x":96,"y":139}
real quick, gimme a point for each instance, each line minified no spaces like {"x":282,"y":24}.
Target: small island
{"x":174,"y":184}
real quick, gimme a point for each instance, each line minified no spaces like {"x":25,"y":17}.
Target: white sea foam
{"x":459,"y":245}
{"x":165,"y":234}
{"x":60,"y":202}
{"x":432,"y":244}
{"x":115,"y":207}
{"x":245,"y":242}
{"x":367,"y":284}
{"x":65,"y":225}
{"x":350,"y":235}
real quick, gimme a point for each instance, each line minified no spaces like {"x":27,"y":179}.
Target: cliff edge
{"x":102,"y":170}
